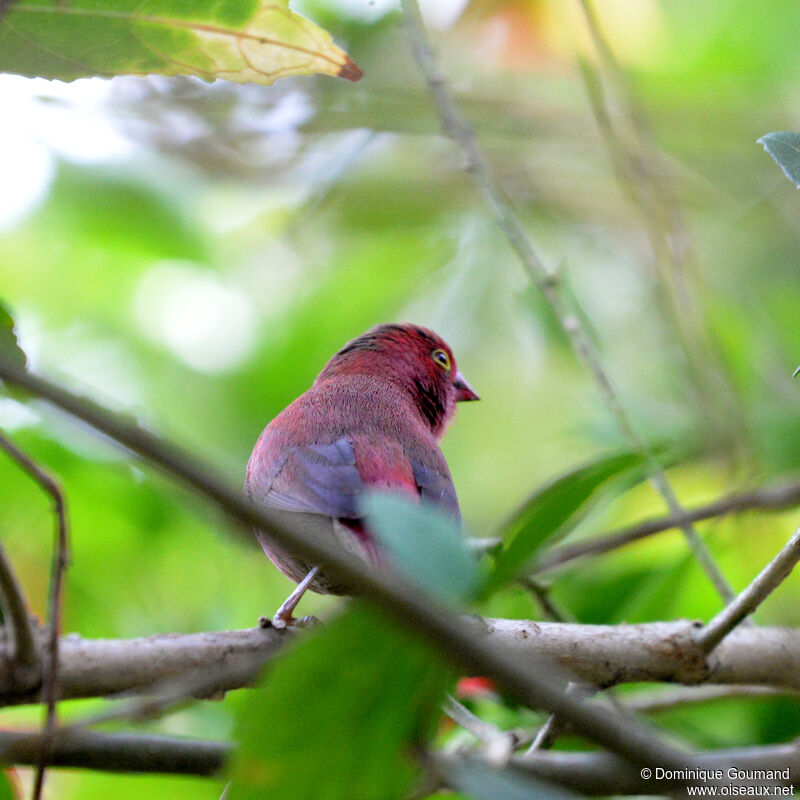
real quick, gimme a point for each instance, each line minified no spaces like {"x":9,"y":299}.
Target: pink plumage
{"x":372,"y":419}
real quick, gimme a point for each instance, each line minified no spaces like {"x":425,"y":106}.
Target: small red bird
{"x":372,"y":420}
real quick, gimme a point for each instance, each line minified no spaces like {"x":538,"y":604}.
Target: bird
{"x":372,"y":420}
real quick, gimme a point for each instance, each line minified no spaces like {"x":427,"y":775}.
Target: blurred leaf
{"x":10,"y":351}
{"x":553,"y":509}
{"x":425,"y":543}
{"x":337,"y":716}
{"x":482,"y":782}
{"x":245,"y":40}
{"x":784,"y":147}
{"x":9,"y":789}
{"x":657,"y":593}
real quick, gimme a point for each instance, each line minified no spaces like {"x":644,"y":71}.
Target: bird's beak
{"x":796,"y":372}
{"x":463,"y":390}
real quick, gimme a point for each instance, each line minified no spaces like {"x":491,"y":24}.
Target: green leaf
{"x":337,"y":716}
{"x":658,"y":592}
{"x":239,"y":40}
{"x":784,"y":147}
{"x":7,"y":786}
{"x":481,"y":782}
{"x":10,"y":351}
{"x":554,"y":509}
{"x":424,"y":543}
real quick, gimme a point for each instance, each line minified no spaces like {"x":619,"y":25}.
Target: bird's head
{"x":414,"y":358}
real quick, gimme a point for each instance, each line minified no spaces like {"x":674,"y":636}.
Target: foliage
{"x":10,"y":350}
{"x":425,"y":544}
{"x":549,"y":514}
{"x":248,"y":40}
{"x":784,"y":147}
{"x":365,"y":706}
{"x":201,"y":277}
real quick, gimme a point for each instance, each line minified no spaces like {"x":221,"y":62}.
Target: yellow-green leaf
{"x":239,"y":40}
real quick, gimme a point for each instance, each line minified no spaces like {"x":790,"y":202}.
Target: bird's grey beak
{"x":795,"y":373}
{"x":463,"y":390}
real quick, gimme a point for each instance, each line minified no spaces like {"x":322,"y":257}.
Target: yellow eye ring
{"x":441,"y":358}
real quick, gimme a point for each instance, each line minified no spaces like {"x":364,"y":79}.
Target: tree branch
{"x":205,"y":664}
{"x":16,"y":615}
{"x":59,"y":564}
{"x":458,"y":128}
{"x":659,"y":700}
{"x":115,"y":752}
{"x":594,"y":773}
{"x":768,"y":498}
{"x":497,"y":745}
{"x":420,"y":614}
{"x":607,"y":655}
{"x":751,"y":598}
{"x":108,"y":667}
{"x":599,"y":774}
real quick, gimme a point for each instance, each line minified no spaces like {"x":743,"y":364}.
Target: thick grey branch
{"x":602,"y":655}
{"x":606,"y":655}
{"x":103,"y":667}
{"x":751,"y":598}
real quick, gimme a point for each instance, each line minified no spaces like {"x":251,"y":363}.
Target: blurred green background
{"x":194,"y":253}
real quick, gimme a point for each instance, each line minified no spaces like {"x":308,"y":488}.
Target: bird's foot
{"x":283,"y":616}
{"x":292,"y":622}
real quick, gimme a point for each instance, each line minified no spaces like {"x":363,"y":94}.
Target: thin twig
{"x":667,"y":699}
{"x":458,"y":128}
{"x":418,"y":612}
{"x":554,"y":726}
{"x":498,"y":745}
{"x":59,"y":564}
{"x":542,"y":595}
{"x":16,"y":615}
{"x":769,"y":498}
{"x":641,"y":172}
{"x":546,"y":735}
{"x":751,"y":598}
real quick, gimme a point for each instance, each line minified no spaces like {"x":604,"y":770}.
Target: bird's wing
{"x":329,"y":478}
{"x":437,"y":486}
{"x":315,"y":478}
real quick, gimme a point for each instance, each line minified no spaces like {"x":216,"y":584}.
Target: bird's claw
{"x":281,"y":621}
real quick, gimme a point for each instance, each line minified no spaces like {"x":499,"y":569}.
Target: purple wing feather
{"x":315,"y":478}
{"x":437,"y":487}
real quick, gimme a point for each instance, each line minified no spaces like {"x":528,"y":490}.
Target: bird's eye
{"x":441,"y":358}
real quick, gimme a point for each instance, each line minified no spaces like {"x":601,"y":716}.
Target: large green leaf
{"x":784,"y":147}
{"x":239,"y":40}
{"x":424,"y":543}
{"x":10,"y":351}
{"x":553,"y":509}
{"x":338,"y":715}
